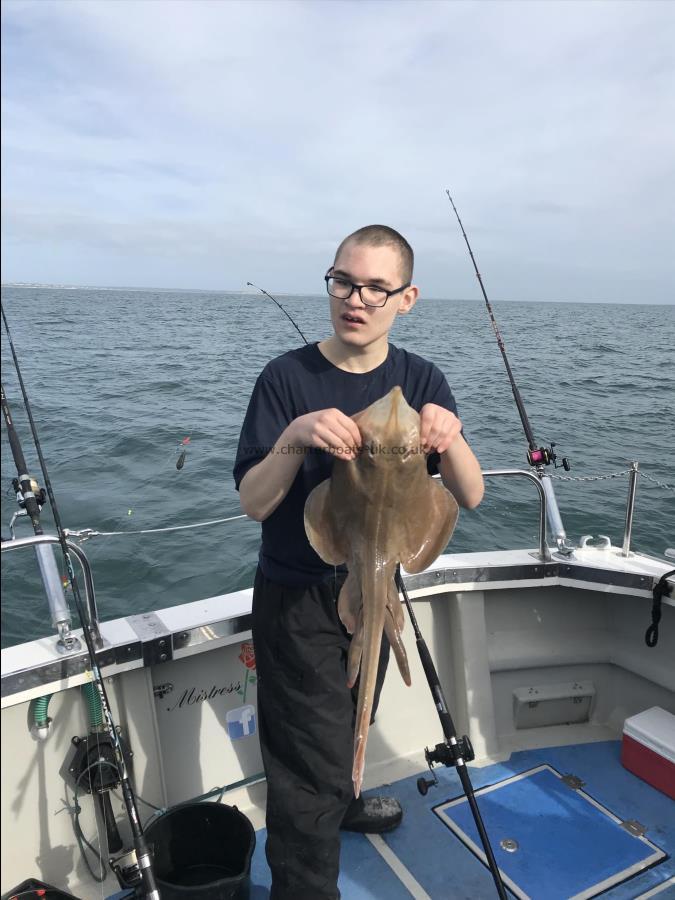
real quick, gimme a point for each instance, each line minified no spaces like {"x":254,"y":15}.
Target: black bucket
{"x":202,"y":850}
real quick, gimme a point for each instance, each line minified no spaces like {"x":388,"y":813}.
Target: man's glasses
{"x":369,"y":294}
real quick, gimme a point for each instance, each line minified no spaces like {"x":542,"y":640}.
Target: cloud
{"x":246,"y":139}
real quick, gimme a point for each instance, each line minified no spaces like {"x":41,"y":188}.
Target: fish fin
{"x":429,"y":528}
{"x":393,"y":626}
{"x":355,"y":651}
{"x":370,"y":635}
{"x":320,"y":526}
{"x":349,"y":602}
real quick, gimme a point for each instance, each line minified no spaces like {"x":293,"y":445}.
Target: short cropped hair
{"x":382,"y":236}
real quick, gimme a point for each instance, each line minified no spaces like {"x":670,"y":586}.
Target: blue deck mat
{"x":364,"y":875}
{"x":446,"y":869}
{"x":566,"y":845}
{"x":443,"y":866}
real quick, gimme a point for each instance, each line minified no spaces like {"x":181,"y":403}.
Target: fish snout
{"x":401,"y":410}
{"x":390,"y":428}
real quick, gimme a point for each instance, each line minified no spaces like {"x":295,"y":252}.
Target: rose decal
{"x":247,"y":656}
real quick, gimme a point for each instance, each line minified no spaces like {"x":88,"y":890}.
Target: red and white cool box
{"x":648,"y":748}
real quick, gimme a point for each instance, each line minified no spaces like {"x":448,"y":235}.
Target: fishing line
{"x":262,"y":291}
{"x":143,"y":860}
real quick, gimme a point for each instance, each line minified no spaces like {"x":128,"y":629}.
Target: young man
{"x":298,"y":419}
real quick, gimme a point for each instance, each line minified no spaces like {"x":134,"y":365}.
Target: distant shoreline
{"x":24,"y":285}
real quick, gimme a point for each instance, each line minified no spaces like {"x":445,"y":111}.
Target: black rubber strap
{"x":652,"y":633}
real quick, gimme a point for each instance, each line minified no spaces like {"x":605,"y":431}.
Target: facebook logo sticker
{"x":241,"y":722}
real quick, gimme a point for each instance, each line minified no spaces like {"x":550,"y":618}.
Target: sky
{"x":206,"y":144}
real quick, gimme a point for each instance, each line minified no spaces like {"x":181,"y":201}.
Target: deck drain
{"x":509,"y":845}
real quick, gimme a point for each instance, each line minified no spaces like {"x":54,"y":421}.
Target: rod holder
{"x":39,"y":540}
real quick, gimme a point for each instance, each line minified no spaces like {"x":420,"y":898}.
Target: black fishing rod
{"x":30,"y":490}
{"x":31,"y":498}
{"x":263,"y":291}
{"x":538,"y":457}
{"x":143,"y":861}
{"x":454,"y":751}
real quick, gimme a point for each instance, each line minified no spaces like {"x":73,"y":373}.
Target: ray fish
{"x":374,"y":512}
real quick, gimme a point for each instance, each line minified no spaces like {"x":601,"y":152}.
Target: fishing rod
{"x":31,"y":498}
{"x":142,"y":863}
{"x":262,"y":291}
{"x":537,"y":457}
{"x":453,"y":751}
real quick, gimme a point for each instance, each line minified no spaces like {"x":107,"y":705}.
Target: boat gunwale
{"x":148,"y":639}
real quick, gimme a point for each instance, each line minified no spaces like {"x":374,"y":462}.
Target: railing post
{"x":630,"y":506}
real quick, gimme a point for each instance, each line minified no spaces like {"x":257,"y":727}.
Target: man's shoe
{"x":372,"y":815}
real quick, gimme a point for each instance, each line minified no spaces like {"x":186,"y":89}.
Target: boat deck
{"x":499,"y":624}
{"x":423,"y":858}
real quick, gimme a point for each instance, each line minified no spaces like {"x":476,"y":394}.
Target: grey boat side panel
{"x":567,"y":627}
{"x":62,"y":669}
{"x":609,"y":577}
{"x":207,"y":720}
{"x":204,"y":625}
{"x":480,"y":575}
{"x":188,"y":725}
{"x":203,"y":634}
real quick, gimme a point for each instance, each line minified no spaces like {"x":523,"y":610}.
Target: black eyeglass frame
{"x":358,"y":287}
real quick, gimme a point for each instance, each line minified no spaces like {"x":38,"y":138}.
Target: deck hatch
{"x":569,"y":847}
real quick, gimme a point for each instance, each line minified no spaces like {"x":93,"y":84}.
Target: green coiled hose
{"x":93,"y":699}
{"x":39,"y":711}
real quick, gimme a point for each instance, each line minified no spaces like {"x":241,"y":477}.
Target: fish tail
{"x":374,"y":605}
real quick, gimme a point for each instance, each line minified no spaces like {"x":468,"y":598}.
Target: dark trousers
{"x":306,"y":719}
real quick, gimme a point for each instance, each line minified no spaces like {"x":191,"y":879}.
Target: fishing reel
{"x":95,"y":757}
{"x":94,"y":770}
{"x":126,"y":868}
{"x":40,"y":493}
{"x":445,"y":754}
{"x":40,"y":498}
{"x":544,"y":456}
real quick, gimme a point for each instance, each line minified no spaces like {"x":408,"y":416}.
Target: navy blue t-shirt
{"x":303,"y":381}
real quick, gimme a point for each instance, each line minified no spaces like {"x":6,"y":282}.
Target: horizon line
{"x":139,"y":289}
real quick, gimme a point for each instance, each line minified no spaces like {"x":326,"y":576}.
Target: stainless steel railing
{"x":92,"y":612}
{"x":544,"y":552}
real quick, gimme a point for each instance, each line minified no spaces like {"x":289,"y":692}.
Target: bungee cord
{"x":84,"y":534}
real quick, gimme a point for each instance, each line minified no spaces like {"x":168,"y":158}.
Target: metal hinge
{"x":572,"y":781}
{"x":632,"y":826}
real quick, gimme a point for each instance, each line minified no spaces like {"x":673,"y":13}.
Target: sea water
{"x":118,"y":379}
